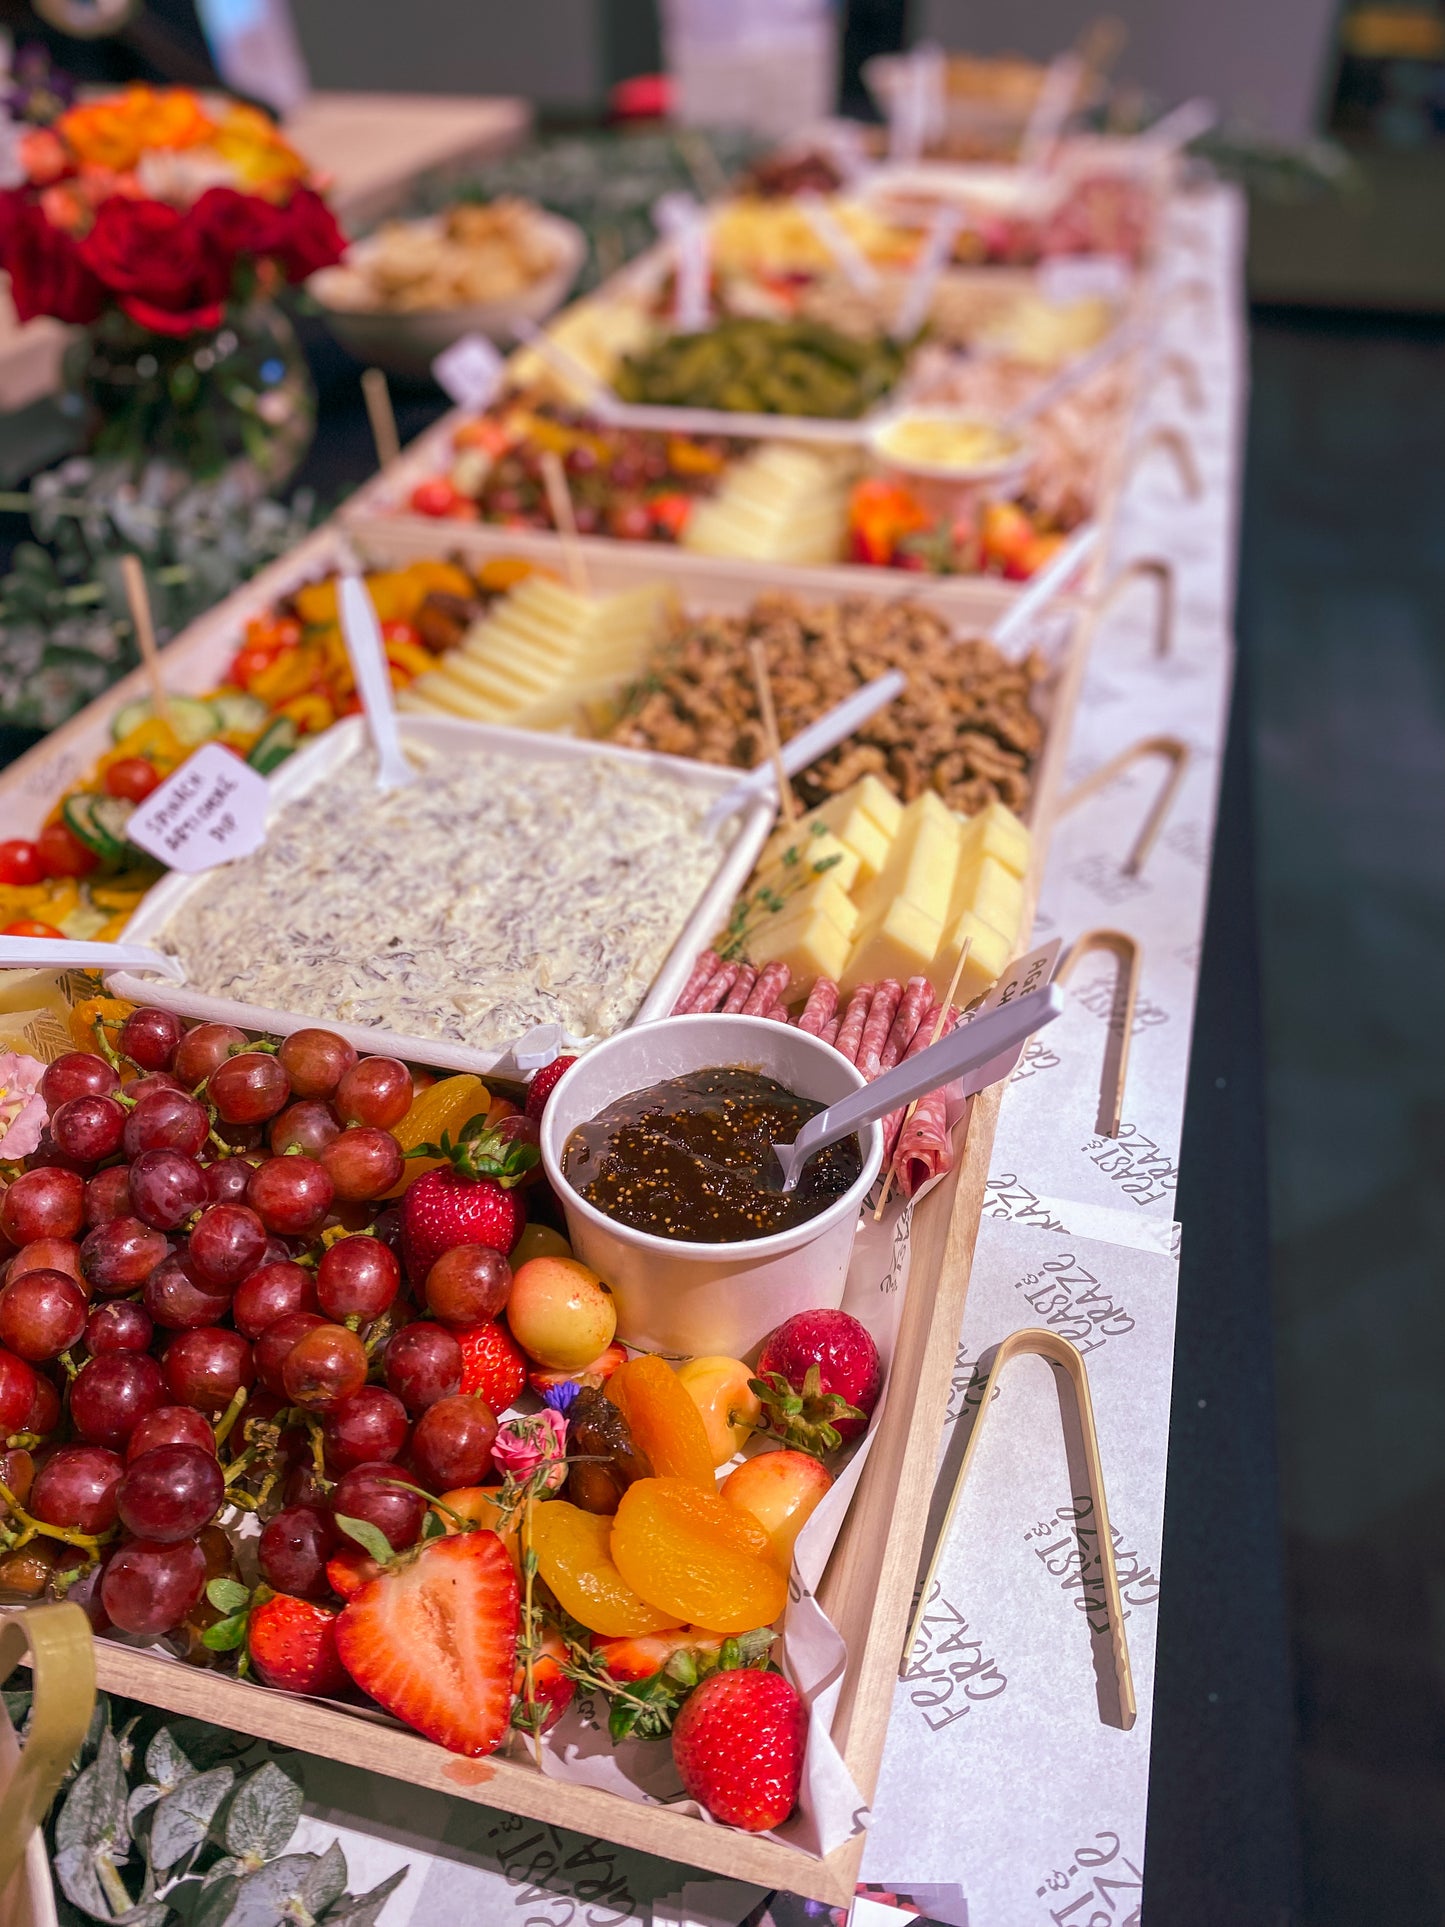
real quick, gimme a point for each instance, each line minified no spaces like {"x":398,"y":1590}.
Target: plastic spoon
{"x":65,"y":953}
{"x":973,"y":1047}
{"x":362,"y":634}
{"x":811,"y":743}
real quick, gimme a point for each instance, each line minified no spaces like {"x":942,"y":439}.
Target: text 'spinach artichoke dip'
{"x":492,"y":894}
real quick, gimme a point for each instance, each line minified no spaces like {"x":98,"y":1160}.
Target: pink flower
{"x":22,"y":1108}
{"x":525,"y":1445}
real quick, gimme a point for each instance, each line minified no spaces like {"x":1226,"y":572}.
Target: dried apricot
{"x":574,"y":1557}
{"x":446,"y":1106}
{"x":699,"y":1559}
{"x":663,"y":1420}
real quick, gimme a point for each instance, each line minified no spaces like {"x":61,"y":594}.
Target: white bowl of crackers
{"x":412,"y":288}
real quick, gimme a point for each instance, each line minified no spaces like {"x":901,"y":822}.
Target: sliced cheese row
{"x":542,"y":653}
{"x":782,"y":503}
{"x":866,"y":888}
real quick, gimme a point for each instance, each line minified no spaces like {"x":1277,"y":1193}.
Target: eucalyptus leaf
{"x":326,"y":1880}
{"x":166,"y":1764}
{"x":141,"y":1798}
{"x":271,"y":1894}
{"x":207,"y":1745}
{"x":365,"y":1910}
{"x":263,"y":1814}
{"x":216,"y":1902}
{"x":369,"y":1537}
{"x":94,"y":1815}
{"x":75,"y":1869}
{"x":183,"y":1818}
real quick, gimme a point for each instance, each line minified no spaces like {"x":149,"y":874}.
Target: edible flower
{"x":525,"y":1446}
{"x":22,"y":1108}
{"x":561,"y":1397}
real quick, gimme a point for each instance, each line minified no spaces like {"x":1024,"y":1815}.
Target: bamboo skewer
{"x":1063,"y":1356}
{"x":1176,"y":754}
{"x":559,"y":500}
{"x":381,"y":415}
{"x":787,"y":802}
{"x":138,"y":596}
{"x":1129,"y":959}
{"x":943,"y":1009}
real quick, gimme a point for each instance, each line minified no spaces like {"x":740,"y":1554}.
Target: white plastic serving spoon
{"x":362,"y":634}
{"x":976,"y":1047}
{"x":811,"y":743}
{"x":66,"y":953}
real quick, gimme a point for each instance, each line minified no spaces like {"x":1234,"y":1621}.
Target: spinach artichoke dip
{"x":491,"y":894}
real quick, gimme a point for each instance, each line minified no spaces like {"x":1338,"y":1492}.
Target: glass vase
{"x":232,"y":405}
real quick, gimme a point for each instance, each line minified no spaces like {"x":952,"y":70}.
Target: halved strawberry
{"x":434,"y":1640}
{"x":552,"y":1689}
{"x":637,"y":1656}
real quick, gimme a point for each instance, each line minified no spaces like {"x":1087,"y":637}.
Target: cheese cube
{"x":807,"y":940}
{"x":992,"y":892}
{"x":988,"y":955}
{"x":997,"y":832}
{"x":902,"y":944}
{"x":921,"y":863}
{"x":815,"y":852}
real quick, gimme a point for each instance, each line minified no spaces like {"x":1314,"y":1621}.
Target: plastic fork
{"x":66,"y":953}
{"x":981,"y":1047}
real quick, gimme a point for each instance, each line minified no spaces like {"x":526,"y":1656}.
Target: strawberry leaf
{"x":367,"y":1536}
{"x":227,"y":1595}
{"x":226,"y":1635}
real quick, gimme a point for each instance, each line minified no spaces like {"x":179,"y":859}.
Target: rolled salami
{"x":850,"y":1030}
{"x":706,"y":964}
{"x":742,"y":990}
{"x":829,"y":1032}
{"x":916,"y":998}
{"x":881,"y":1012}
{"x":772,"y":981}
{"x":821,"y":1005}
{"x":937,"y":1117}
{"x":713,"y":994}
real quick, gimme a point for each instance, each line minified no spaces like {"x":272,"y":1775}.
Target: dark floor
{"x":1342,"y":626}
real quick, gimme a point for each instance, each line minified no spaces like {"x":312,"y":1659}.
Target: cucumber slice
{"x":274,"y":746}
{"x":193,"y":721}
{"x":239,"y":714}
{"x":111,"y":815}
{"x":80,"y":813}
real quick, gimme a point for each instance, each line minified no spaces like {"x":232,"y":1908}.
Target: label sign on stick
{"x":469,"y":372}
{"x":212,"y":809}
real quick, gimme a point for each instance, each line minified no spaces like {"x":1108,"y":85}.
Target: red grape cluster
{"x":192,"y":1319}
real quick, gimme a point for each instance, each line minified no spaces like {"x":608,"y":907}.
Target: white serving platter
{"x":454,"y":738}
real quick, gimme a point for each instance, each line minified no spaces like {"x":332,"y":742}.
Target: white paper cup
{"x":681,"y":1298}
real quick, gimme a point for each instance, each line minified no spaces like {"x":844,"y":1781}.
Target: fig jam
{"x":692,"y":1158}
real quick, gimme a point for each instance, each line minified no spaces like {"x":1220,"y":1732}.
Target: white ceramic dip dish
{"x":681,"y":1298}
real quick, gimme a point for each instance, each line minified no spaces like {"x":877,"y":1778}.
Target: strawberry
{"x":543,"y":1380}
{"x":552,"y":1689}
{"x":473,"y":1203}
{"x":819,"y":1376}
{"x":637,"y":1656}
{"x":738,"y":1747}
{"x":434,"y":1640}
{"x":292,"y":1644}
{"x":349,"y":1570}
{"x":543,"y":1083}
{"x":493,"y":1365}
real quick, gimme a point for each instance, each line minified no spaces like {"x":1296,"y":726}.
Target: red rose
{"x":231,"y":227}
{"x":310,"y":239}
{"x":153,"y":259}
{"x":47,"y":274}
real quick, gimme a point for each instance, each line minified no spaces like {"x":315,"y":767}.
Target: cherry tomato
{"x":132,"y":779}
{"x":435,"y":496}
{"x":670,"y":513}
{"x":31,"y":927}
{"x":398,"y":631}
{"x":63,"y":853}
{"x":20,"y":862}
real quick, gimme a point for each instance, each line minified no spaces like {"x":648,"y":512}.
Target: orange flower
{"x":262,"y":161}
{"x":116,"y":131}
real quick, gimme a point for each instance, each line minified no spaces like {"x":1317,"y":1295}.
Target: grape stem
{"x":90,"y":1542}
{"x":230,"y":1415}
{"x":461,"y":1521}
{"x":529,"y":1569}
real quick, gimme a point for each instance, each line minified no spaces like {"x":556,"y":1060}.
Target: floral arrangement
{"x":148,"y":201}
